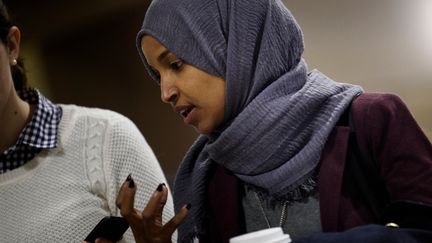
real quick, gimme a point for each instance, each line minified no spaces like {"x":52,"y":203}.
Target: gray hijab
{"x":277,"y":116}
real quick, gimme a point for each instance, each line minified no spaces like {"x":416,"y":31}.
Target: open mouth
{"x":185,"y":112}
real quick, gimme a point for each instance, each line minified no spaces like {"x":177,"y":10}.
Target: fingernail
{"x":160,"y":187}
{"x":130,"y":180}
{"x":188,"y":206}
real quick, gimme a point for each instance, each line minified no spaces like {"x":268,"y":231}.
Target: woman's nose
{"x":169,"y":92}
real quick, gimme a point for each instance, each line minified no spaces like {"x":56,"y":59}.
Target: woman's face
{"x":8,"y":53}
{"x":198,"y":97}
{"x":5,"y":74}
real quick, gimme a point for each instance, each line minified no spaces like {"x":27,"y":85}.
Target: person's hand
{"x":147,"y":226}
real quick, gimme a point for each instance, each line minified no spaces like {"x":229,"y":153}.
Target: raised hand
{"x":147,"y":226}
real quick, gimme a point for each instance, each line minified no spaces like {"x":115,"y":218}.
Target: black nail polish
{"x":160,"y":187}
{"x":188,"y":206}
{"x":131,"y":181}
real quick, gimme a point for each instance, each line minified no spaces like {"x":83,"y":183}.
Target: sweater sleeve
{"x":126,"y":151}
{"x":395,"y":140}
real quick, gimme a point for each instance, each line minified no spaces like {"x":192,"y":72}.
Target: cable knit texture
{"x":62,"y":194}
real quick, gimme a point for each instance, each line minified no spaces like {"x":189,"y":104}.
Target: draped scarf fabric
{"x":277,"y":117}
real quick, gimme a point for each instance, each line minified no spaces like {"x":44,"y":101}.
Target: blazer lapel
{"x":225,"y":194}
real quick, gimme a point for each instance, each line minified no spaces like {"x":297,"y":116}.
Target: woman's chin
{"x":202,"y":129}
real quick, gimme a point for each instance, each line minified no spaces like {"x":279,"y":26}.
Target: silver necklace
{"x":283,"y":213}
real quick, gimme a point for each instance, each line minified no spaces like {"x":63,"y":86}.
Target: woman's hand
{"x":147,"y":226}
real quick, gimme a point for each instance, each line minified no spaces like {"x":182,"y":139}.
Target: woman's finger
{"x":121,"y":193}
{"x":158,"y":199}
{"x":173,"y":224}
{"x":161,"y":205}
{"x":126,"y":198}
{"x":128,"y":183}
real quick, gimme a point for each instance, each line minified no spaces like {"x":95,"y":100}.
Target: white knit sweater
{"x":62,"y":194}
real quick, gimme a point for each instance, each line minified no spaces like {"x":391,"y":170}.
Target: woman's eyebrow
{"x":162,"y":55}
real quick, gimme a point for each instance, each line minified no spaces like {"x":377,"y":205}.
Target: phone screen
{"x":111,"y":228}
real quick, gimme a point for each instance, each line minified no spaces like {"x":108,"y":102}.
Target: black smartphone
{"x":110,"y":227}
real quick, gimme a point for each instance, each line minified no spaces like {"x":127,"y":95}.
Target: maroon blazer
{"x":386,"y":129}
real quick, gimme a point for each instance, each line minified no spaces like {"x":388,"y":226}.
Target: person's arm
{"x":394,"y":139}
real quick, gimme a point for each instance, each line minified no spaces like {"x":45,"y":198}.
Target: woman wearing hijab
{"x":273,"y":145}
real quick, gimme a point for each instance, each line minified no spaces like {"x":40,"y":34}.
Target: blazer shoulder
{"x":378,"y":101}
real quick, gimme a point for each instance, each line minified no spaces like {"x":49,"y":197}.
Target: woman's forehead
{"x":152,"y":48}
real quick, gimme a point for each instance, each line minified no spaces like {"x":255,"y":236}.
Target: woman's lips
{"x":188,"y":116}
{"x":186,"y":112}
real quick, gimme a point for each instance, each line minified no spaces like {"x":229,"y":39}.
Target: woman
{"x":61,"y":166}
{"x":272,"y":150}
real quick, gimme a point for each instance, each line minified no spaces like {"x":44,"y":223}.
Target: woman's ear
{"x":13,"y":44}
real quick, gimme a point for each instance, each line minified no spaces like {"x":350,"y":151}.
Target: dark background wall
{"x":83,"y":52}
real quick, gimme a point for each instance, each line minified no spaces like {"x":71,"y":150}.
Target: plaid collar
{"x":42,"y":131}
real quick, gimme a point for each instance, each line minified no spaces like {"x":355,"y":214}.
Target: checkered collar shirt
{"x":40,"y":133}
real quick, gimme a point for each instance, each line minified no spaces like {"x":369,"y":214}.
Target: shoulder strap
{"x":365,"y":173}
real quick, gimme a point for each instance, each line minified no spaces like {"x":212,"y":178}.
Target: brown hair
{"x":18,"y":71}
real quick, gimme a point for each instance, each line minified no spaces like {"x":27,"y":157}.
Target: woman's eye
{"x":177,"y":64}
{"x":155,"y":73}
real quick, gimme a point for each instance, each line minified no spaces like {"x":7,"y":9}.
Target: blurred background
{"x":83,"y":52}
